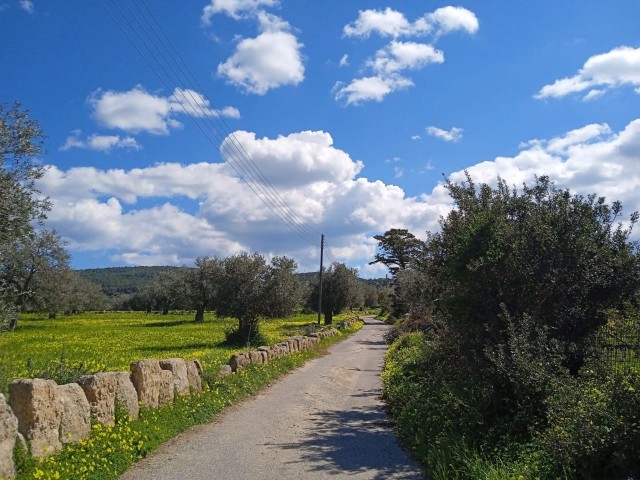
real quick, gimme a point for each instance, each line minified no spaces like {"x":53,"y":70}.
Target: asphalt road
{"x":324,"y":420}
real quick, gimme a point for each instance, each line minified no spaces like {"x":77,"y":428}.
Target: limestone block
{"x":146,"y":376}
{"x":268,"y":351}
{"x":75,"y":423}
{"x":166,"y":392}
{"x":255,"y":357}
{"x":178,"y":368}
{"x":265,"y":357}
{"x":100,"y":390}
{"x":126,"y":394}
{"x":238,"y":362}
{"x":36,"y":404}
{"x":194,"y":369}
{"x":8,"y":434}
{"x":293,"y":345}
{"x":225,"y":370}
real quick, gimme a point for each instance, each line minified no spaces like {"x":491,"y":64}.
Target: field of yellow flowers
{"x":110,"y":341}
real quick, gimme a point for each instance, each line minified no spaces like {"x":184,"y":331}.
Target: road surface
{"x":324,"y":420}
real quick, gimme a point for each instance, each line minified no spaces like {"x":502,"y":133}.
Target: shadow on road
{"x":353,"y":441}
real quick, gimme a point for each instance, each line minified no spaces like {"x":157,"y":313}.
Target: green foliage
{"x":61,"y":370}
{"x":397,"y":249}
{"x":505,"y":378}
{"x":341,"y":289}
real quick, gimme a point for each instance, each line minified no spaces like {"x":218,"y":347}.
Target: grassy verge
{"x":110,"y":451}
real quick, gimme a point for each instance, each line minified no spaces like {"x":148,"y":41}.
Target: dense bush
{"x":508,"y":298}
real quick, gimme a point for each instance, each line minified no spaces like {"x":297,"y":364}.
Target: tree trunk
{"x":247,"y":329}
{"x":199,"y":314}
{"x":165,"y":310}
{"x":13,"y":321}
{"x":328,"y":317}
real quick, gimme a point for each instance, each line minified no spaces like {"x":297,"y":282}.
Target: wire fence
{"x":618,"y":347}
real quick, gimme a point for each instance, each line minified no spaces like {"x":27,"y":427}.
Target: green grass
{"x":110,"y":341}
{"x":108,"y":452}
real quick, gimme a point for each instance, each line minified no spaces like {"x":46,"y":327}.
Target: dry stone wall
{"x":47,"y":415}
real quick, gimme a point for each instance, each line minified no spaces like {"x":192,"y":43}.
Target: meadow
{"x":110,"y":341}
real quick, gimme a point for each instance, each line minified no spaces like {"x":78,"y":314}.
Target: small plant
{"x":62,"y":370}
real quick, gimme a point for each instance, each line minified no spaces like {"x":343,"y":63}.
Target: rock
{"x":225,"y":370}
{"x":126,"y":394}
{"x":8,"y":434}
{"x":100,"y":390}
{"x":178,"y":368}
{"x":268,"y":351}
{"x":36,"y":404}
{"x":255,"y":357}
{"x":147,"y":379}
{"x":75,"y":423}
{"x":194,"y":370}
{"x":265,"y":357}
{"x":166,"y":393}
{"x":238,"y":362}
{"x":293,"y":345}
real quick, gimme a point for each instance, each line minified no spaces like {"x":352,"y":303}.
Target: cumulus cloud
{"x":370,"y":88}
{"x":453,"y":135}
{"x":138,"y":111}
{"x":101,"y":210}
{"x":392,"y":23}
{"x":616,"y":68}
{"x":344,"y":60}
{"x":103,"y":143}
{"x":391,"y":61}
{"x":236,"y":9}
{"x":270,"y":60}
{"x":398,"y":56}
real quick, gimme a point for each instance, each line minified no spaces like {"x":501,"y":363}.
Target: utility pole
{"x":320,"y":290}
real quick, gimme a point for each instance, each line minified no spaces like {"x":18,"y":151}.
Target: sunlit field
{"x":111,"y":341}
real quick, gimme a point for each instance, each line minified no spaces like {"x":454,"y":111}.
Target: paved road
{"x":323,"y":420}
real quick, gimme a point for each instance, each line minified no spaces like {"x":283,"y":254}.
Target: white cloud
{"x":270,"y":60}
{"x":98,"y":210}
{"x":416,"y":137}
{"x":453,"y":135}
{"x":370,"y":88}
{"x":450,"y":19}
{"x":618,"y":67}
{"x":388,"y":22}
{"x":104,"y":143}
{"x":344,"y":60}
{"x":234,"y":8}
{"x":392,"y":23}
{"x":398,"y":56}
{"x":138,"y":111}
{"x":27,"y":6}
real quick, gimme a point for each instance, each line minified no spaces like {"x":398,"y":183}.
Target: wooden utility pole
{"x":320,"y":289}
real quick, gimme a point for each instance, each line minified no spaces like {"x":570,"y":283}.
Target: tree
{"x":340,"y":290}
{"x":21,"y":206}
{"x":33,"y":273}
{"x":242,"y":292}
{"x":560,"y":260}
{"x":203,"y":284}
{"x":397,"y":249}
{"x":283,"y":288}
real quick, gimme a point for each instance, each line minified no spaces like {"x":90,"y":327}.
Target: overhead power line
{"x":147,"y":36}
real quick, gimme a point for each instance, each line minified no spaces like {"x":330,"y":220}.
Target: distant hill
{"x":128,"y":280}
{"x":118,"y":280}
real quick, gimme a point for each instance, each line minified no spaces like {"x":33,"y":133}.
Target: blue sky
{"x":352,"y":111}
